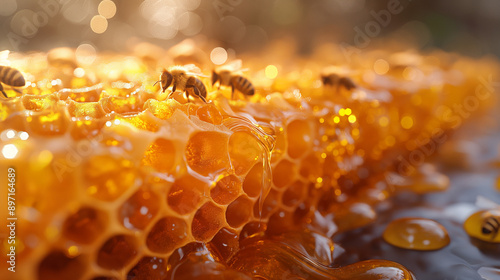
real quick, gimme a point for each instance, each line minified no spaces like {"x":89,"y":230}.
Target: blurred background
{"x":465,"y":26}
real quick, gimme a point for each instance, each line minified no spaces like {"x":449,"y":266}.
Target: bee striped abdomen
{"x":491,"y":225}
{"x":243,"y":85}
{"x":201,"y":87}
{"x":198,"y":87}
{"x":11,"y":76}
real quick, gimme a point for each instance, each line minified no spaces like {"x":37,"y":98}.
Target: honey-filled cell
{"x":85,"y":225}
{"x":167,"y":234}
{"x":299,"y":138}
{"x":252,"y":185}
{"x":206,"y":152}
{"x":210,"y":114}
{"x":225,"y":243}
{"x":108,"y":177}
{"x":284,"y":173}
{"x":310,"y":167}
{"x":270,"y":204}
{"x":117,"y":252}
{"x":207,"y":221}
{"x":149,"y":268}
{"x":138,"y":211}
{"x":48,"y":123}
{"x":294,"y":194}
{"x":57,"y":266}
{"x":244,"y":151}
{"x":226,"y":189}
{"x":239,"y":211}
{"x":186,"y":193}
{"x":160,"y":155}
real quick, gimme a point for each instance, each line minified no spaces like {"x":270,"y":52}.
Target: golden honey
{"x":115,"y":181}
{"x":417,"y":234}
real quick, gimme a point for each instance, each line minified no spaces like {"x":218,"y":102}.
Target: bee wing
{"x":4,"y":55}
{"x":483,"y":202}
{"x":194,"y":70}
{"x":235,"y":65}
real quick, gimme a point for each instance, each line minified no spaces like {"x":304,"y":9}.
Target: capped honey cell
{"x":416,"y":234}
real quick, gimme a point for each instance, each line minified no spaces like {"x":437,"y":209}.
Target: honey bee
{"x":491,"y":225}
{"x":9,"y":76}
{"x":183,"y":78}
{"x":485,"y":224}
{"x":231,"y":75}
{"x":334,"y":76}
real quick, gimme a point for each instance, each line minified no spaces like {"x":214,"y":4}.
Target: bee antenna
{"x":155,"y":83}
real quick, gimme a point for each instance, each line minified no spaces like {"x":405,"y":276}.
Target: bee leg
{"x":17,"y":90}
{"x":173,"y":87}
{"x":197,"y":93}
{"x":232,"y":91}
{"x":1,"y":89}
{"x":187,"y":95}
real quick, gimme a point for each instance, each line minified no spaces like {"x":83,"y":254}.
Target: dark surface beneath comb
{"x":462,"y":258}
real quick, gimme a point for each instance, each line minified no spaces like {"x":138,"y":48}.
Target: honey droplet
{"x":482,"y":225}
{"x":417,"y":234}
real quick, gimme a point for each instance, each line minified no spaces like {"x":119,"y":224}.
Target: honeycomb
{"x":116,"y":181}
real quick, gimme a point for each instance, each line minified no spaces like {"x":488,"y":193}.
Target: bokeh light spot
{"x":99,"y":24}
{"x":381,"y":66}
{"x":218,"y":56}
{"x":9,"y":151}
{"x":85,"y":54}
{"x":271,"y":72}
{"x":107,"y":9}
{"x":407,"y":122}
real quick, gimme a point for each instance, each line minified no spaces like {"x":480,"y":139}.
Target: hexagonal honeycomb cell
{"x":117,"y":180}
